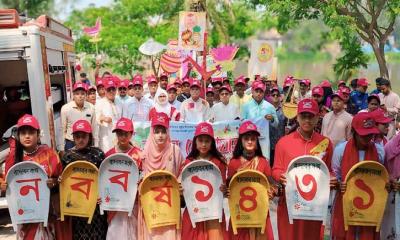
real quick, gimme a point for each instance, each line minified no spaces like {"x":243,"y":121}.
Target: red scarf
{"x":349,"y":159}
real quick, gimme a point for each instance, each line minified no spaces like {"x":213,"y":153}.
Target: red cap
{"x":187,"y":80}
{"x":81,"y":126}
{"x":160,"y":119}
{"x":116,"y":80}
{"x":110,"y":84}
{"x":137,"y":80}
{"x":338,"y":94}
{"x":288,"y":82}
{"x":289,"y":77}
{"x":380,"y":117}
{"x":91,"y":87}
{"x":240,"y":80}
{"x":306,"y":82}
{"x":178,"y":81}
{"x":99,"y":82}
{"x":209,"y":90}
{"x":204,"y":128}
{"x":325,"y":83}
{"x":248,"y":126}
{"x":124,"y":124}
{"x":341,"y":82}
{"x":28,"y":120}
{"x":317,"y":90}
{"x":195,"y":83}
{"x":362,"y":82}
{"x":364,"y":124}
{"x":374,"y":96}
{"x":80,"y":85}
{"x":258,"y":85}
{"x":151,"y":79}
{"x":164,"y":75}
{"x":226,"y":87}
{"x":171,"y":86}
{"x":216,"y":80}
{"x":345,"y":90}
{"x":123,"y":84}
{"x":308,"y":106}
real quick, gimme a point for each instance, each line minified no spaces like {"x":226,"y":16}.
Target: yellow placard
{"x":248,"y":201}
{"x":79,"y":190}
{"x":365,"y":198}
{"x":159,"y":197}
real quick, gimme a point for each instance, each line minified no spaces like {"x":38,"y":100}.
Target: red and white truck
{"x":36,"y":74}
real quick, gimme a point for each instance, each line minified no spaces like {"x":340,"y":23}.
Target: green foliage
{"x":349,"y":21}
{"x":125,"y":26}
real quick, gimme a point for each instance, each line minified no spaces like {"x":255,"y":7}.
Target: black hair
{"x":91,"y":141}
{"x":83,"y":74}
{"x":238,"y":151}
{"x":19,"y":148}
{"x":353,"y":83}
{"x":194,"y":153}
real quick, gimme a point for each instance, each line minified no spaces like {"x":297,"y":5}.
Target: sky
{"x":79,"y":4}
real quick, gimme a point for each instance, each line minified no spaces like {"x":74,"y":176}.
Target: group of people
{"x":340,"y":127}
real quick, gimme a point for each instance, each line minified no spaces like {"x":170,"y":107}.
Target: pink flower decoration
{"x":224,"y":53}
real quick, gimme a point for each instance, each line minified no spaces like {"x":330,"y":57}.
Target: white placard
{"x":27,"y":194}
{"x":201,"y":181}
{"x":118,"y":178}
{"x":307,"y":189}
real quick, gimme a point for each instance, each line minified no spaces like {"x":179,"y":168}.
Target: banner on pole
{"x":79,"y":190}
{"x":262,"y":57}
{"x":159,"y":198}
{"x":192,"y":26}
{"x":365,"y":198}
{"x":307,"y":189}
{"x":201,"y":182}
{"x":118,"y":178}
{"x":248,"y":202}
{"x":27,"y":194}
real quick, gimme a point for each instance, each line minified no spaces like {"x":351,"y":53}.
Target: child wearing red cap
{"x":26,"y":147}
{"x":303,"y":141}
{"x":159,"y":154}
{"x":248,"y":155}
{"x":204,"y":147}
{"x":346,"y":155}
{"x":120,"y":225}
{"x":84,"y":151}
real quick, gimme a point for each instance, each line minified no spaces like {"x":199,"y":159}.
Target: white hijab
{"x":164,"y":106}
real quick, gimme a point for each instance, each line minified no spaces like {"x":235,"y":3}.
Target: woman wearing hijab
{"x":159,"y":154}
{"x":161,"y":104}
{"x":28,"y":148}
{"x":84,"y":151}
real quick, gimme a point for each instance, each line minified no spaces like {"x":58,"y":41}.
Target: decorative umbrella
{"x":151,"y":47}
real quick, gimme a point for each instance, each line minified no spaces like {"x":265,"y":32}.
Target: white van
{"x":36,"y":74}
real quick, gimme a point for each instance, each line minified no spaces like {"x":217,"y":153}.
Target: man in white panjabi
{"x":224,"y":110}
{"x":107,"y":115}
{"x":195,"y":109}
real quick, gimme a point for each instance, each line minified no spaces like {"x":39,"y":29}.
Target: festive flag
{"x":93,"y":31}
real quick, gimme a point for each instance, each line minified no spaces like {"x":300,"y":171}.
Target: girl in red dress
{"x":204,"y":148}
{"x":27,"y":147}
{"x":161,"y":104}
{"x":248,"y":155}
{"x":120,"y":225}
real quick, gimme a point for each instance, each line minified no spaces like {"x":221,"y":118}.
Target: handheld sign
{"x":201,"y":180}
{"x":79,"y":190}
{"x":159,"y":197}
{"x":365,"y":197}
{"x":248,"y":202}
{"x":307,"y":189}
{"x":118,"y":177}
{"x":27,"y":194}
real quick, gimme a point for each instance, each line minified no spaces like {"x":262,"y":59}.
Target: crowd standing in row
{"x":98,"y":122}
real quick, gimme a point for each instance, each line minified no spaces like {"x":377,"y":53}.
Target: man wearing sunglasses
{"x":224,"y":110}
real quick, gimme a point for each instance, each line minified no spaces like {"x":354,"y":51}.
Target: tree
{"x":33,"y":8}
{"x":125,"y":26}
{"x":350,"y":20}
